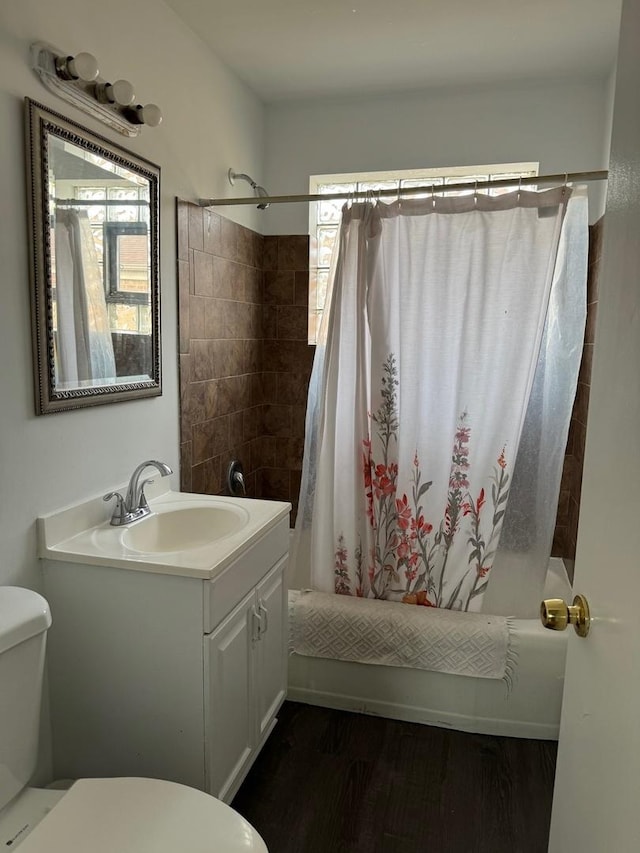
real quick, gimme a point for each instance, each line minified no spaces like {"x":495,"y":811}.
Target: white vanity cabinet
{"x":246,"y":677}
{"x":169,"y":675}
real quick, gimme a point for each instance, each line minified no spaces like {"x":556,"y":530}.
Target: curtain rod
{"x":409,"y":191}
{"x":99,"y":202}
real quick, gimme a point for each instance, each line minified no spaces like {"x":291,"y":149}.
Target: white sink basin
{"x":184,"y":529}
{"x":186,"y":534}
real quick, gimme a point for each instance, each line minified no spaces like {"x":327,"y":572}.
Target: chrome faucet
{"x":135,"y":505}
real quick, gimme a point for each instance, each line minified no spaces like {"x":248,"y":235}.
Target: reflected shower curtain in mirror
{"x":84,"y":347}
{"x":453,"y":325}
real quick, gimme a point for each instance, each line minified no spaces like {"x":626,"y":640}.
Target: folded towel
{"x":389,"y":633}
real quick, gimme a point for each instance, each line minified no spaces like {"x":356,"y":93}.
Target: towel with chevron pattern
{"x":389,"y":633}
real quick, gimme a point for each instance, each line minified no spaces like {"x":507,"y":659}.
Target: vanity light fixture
{"x":76,"y":79}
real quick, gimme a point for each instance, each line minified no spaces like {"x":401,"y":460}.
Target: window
{"x":324,"y":216}
{"x":119,"y":218}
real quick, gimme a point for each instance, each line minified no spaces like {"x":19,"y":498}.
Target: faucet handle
{"x":142,"y":502}
{"x":120,"y":511}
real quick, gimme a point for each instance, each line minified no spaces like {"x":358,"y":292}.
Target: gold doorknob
{"x":556,"y":614}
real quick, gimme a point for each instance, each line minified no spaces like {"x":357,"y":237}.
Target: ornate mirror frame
{"x":41,"y":125}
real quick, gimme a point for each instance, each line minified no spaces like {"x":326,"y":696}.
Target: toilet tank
{"x":24,"y":620}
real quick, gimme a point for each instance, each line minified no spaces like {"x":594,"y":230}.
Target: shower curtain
{"x":454,"y":323}
{"x":84,"y":347}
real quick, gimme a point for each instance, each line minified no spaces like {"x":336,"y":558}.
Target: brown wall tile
{"x":586,"y":365}
{"x":202,"y":366}
{"x":252,"y":356}
{"x":203,"y":273}
{"x":569,"y":504}
{"x":279,"y":288}
{"x":197,"y":309}
{"x":592,"y":314}
{"x":206,"y":477}
{"x":182,"y":230}
{"x":185,"y":467}
{"x":302,"y":288}
{"x":183,"y":307}
{"x":211,"y":232}
{"x":253,"y":285}
{"x":292,"y":388}
{"x":282,"y":356}
{"x":293,"y":252}
{"x":270,"y":257}
{"x":277,"y":420}
{"x":292,"y":323}
{"x":196,"y":402}
{"x":195,"y":227}
{"x":244,"y":245}
{"x":227,"y":279}
{"x":275,"y":484}
{"x":230,"y":231}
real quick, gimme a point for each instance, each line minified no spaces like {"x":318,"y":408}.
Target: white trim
{"x":426,"y":716}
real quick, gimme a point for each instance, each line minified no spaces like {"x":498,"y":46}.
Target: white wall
{"x":211,"y":121}
{"x":563,"y":124}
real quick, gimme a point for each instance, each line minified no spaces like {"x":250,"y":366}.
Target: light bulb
{"x":151,"y":115}
{"x":82,"y":66}
{"x":148,"y":114}
{"x":121,"y":93}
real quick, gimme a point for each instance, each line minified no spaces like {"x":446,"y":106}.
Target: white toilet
{"x":127,"y":815}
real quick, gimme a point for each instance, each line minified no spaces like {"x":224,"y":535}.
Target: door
{"x":271,"y":651}
{"x":596,"y":807}
{"x":229,"y":711}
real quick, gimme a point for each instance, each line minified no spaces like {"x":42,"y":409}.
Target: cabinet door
{"x":229,"y":716}
{"x":271,"y":650}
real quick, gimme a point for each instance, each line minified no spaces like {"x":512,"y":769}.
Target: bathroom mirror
{"x":93,"y":214}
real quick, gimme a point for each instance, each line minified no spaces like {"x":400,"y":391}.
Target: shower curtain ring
{"x":475,"y":191}
{"x":519,"y":187}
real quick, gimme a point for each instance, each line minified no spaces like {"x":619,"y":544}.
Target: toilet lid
{"x":131,"y":815}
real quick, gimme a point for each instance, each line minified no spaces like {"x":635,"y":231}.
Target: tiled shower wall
{"x":244,"y":359}
{"x":287,"y":363}
{"x":564,"y":542}
{"x":245,"y":363}
{"x":220,"y":325}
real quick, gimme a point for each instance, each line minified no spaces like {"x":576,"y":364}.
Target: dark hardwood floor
{"x":335,"y":782}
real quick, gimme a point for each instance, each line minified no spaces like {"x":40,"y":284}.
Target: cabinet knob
{"x":256,"y":624}
{"x":262,"y":610}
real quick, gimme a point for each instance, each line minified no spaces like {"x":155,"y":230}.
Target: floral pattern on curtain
{"x":408,"y":555}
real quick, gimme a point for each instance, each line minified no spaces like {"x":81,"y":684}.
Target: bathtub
{"x":530,"y":710}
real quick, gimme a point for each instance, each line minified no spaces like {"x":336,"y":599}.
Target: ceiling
{"x":316,"y":48}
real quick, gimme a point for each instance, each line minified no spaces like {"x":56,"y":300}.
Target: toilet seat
{"x":132,"y":815}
